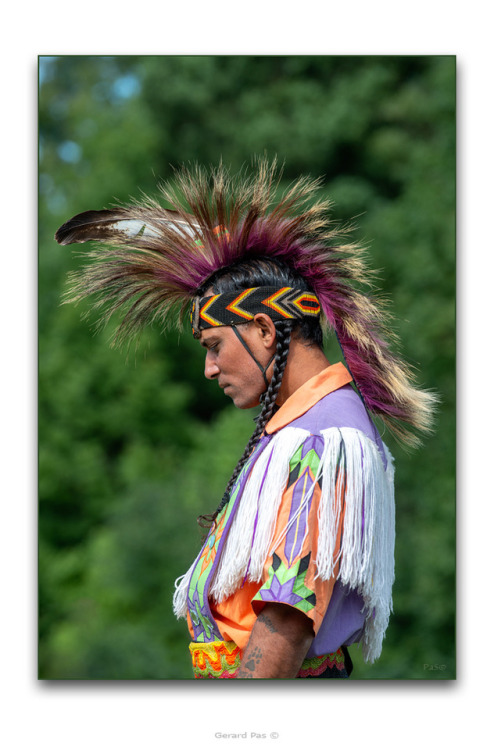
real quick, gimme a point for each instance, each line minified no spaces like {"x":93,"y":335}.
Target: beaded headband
{"x":234,"y":308}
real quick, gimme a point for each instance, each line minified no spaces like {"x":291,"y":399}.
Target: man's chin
{"x":242,"y":402}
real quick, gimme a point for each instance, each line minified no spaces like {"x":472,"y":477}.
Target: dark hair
{"x":251,"y":273}
{"x":261,"y":271}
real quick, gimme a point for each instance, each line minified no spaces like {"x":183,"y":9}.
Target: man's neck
{"x":305,"y":360}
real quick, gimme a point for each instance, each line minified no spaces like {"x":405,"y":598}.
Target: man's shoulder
{"x":340,"y":408}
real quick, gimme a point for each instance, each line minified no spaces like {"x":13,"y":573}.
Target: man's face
{"x":228,"y":362}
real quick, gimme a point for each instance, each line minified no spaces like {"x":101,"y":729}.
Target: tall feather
{"x":153,"y":260}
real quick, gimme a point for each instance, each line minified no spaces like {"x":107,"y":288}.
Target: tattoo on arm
{"x":254,"y":658}
{"x":267,"y":621}
{"x":250,"y":663}
{"x":277,"y":645}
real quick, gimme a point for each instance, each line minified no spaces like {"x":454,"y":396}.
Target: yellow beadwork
{"x":215,"y":660}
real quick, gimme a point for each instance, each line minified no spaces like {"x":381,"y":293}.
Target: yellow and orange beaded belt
{"x":221,"y":660}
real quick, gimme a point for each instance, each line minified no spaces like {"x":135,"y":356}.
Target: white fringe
{"x":262,"y":498}
{"x":366,"y":557}
{"x":180,"y":595}
{"x":249,"y":540}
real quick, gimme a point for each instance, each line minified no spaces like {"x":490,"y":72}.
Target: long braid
{"x":283,"y":331}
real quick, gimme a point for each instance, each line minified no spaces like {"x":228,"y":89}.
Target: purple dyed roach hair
{"x":153,"y":260}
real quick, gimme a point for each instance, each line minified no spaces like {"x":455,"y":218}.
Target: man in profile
{"x":298,"y":559}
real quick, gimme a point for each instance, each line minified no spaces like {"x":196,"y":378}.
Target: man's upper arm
{"x":278,"y":643}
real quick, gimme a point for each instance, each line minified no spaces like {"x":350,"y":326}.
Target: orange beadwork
{"x":215,"y":660}
{"x":221,"y":660}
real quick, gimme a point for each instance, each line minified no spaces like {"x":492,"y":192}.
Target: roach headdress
{"x":154,"y":259}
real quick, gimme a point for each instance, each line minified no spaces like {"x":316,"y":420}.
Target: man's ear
{"x":265,"y":329}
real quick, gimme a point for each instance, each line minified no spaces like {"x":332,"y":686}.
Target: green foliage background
{"x":133,"y":448}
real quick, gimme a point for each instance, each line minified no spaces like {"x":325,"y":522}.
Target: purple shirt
{"x":344,"y":620}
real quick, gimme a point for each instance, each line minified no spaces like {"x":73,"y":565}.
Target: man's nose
{"x":211,"y":369}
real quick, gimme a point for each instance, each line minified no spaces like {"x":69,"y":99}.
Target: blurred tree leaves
{"x":134,"y":446}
